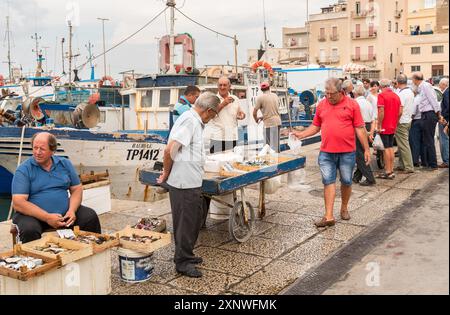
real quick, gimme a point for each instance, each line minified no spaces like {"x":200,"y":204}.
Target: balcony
{"x":334,"y":38}
{"x":322,"y":38}
{"x":364,"y":35}
{"x":363,"y":14}
{"x":327,"y":60}
{"x":398,"y":14}
{"x":364,"y":58}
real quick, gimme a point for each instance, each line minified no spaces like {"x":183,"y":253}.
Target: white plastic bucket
{"x":135,"y":267}
{"x":220,"y":212}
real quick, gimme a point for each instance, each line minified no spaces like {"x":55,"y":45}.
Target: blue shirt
{"x":181,"y":107}
{"x":47,"y":190}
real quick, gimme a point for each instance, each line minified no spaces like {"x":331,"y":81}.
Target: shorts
{"x":329,"y":164}
{"x":388,"y":141}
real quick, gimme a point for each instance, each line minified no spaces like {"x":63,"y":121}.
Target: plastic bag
{"x":294,"y":144}
{"x":272,"y":185}
{"x":297,"y":180}
{"x":378,"y":143}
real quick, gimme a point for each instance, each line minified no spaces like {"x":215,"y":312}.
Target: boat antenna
{"x":63,"y":56}
{"x":89,"y":47}
{"x":172,"y":4}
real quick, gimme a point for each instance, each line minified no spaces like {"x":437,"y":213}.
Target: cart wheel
{"x":240,"y":231}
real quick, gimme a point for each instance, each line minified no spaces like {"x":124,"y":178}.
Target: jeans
{"x":330,"y":163}
{"x":295,"y":114}
{"x":443,"y":140}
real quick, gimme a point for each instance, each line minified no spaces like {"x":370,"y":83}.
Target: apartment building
{"x":365,"y":32}
{"x":296,"y":41}
{"x":425,"y":44}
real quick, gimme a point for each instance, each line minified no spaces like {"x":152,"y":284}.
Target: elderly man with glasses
{"x":183,"y":172}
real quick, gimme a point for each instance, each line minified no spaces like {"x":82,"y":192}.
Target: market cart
{"x":242,"y":217}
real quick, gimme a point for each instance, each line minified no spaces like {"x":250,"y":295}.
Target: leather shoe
{"x":345,"y":216}
{"x":197,"y":261}
{"x":324,"y":223}
{"x":190,"y":272}
{"x":443,"y":165}
{"x":366,"y":183}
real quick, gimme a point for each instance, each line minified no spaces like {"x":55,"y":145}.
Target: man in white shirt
{"x":184,"y":159}
{"x":224,"y":127}
{"x":402,"y":134}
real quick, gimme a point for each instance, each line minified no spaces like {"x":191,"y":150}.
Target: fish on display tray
{"x":140,"y":239}
{"x":16,"y":262}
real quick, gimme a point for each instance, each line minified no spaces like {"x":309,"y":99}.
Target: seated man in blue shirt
{"x":186,"y":101}
{"x":40,"y":193}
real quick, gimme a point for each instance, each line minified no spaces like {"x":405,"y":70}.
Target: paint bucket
{"x":135,"y":267}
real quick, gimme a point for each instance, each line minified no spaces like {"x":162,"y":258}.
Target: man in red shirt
{"x":390,"y":111}
{"x":338,"y":117}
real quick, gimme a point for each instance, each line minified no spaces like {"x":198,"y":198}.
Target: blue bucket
{"x":135,"y":267}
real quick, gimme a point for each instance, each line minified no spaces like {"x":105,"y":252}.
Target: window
{"x":390,"y":26}
{"x":358,"y":30}
{"x":415,"y":69}
{"x":335,"y":53}
{"x":429,"y":4}
{"x":322,"y":32}
{"x":164,"y":98}
{"x":437,"y":70}
{"x":415,"y":50}
{"x":438,"y":49}
{"x":147,"y":99}
{"x":371,"y":53}
{"x":396,"y":27}
{"x":358,"y":8}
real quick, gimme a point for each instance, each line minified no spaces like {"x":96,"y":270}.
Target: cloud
{"x":48,"y":18}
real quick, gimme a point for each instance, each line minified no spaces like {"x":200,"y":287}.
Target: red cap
{"x":265,"y":85}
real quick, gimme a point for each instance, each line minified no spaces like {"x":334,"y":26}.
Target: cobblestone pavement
{"x":286,"y":245}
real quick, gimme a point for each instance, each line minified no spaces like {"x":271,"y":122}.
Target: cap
{"x":265,"y":85}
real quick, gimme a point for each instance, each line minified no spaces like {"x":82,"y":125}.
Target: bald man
{"x":40,"y":193}
{"x":225,"y":126}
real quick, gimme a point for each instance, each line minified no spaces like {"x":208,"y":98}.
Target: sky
{"x":47,"y":18}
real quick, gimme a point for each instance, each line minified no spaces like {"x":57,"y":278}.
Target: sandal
{"x":390,"y":176}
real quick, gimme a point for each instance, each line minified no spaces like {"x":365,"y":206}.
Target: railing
{"x":364,"y":57}
{"x":334,"y":38}
{"x":362,"y":14}
{"x":322,"y":38}
{"x":327,"y":59}
{"x":364,"y":35}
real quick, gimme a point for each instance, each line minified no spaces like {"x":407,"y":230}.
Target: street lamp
{"x":104,"y":44}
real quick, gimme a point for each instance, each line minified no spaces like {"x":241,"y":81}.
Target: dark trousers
{"x":272,"y":137}
{"x":31,"y":229}
{"x":416,"y":143}
{"x":362,"y":169}
{"x":222,"y":146}
{"x":429,"y":123}
{"x":188,"y":218}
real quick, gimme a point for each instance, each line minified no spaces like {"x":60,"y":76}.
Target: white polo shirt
{"x":367,"y":110}
{"x":187,"y":171}
{"x":225,"y":126}
{"x":407,"y":97}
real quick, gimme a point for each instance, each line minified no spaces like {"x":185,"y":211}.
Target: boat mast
{"x":103,"y":20}
{"x":266,"y":41}
{"x":172,"y":5}
{"x":70,"y":53}
{"x":8,"y":38}
{"x":63,"y":56}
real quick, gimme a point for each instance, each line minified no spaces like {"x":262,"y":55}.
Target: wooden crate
{"x":165,"y":240}
{"x":80,"y":250}
{"x":24,"y":274}
{"x":110,"y":243}
{"x":88,"y":276}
